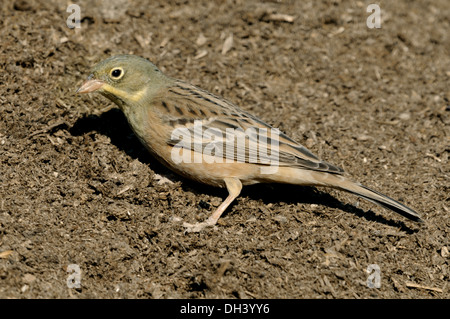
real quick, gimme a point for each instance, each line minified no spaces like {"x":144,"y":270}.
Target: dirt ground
{"x":77,"y":188}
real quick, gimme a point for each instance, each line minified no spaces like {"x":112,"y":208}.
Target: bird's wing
{"x":206,"y":123}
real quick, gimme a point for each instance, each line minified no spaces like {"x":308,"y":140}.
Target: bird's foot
{"x":197,"y":227}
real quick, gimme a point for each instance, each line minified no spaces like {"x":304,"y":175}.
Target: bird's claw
{"x":197,"y":227}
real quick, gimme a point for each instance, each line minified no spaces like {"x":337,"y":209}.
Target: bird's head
{"x":124,"y":79}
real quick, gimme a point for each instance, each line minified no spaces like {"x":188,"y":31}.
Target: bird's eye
{"x":116,"y":73}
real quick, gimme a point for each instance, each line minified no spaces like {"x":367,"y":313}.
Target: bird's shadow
{"x":112,"y":123}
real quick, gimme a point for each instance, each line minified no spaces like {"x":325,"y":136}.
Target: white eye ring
{"x":116,"y":73}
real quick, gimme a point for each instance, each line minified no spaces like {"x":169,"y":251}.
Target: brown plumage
{"x":209,"y":139}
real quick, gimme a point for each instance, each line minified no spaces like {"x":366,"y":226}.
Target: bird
{"x":207,"y":138}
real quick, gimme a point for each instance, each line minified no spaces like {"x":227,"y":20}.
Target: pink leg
{"x":234,"y":187}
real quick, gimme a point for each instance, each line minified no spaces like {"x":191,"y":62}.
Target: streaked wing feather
{"x":186,"y":106}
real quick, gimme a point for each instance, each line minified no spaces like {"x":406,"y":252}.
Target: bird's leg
{"x":234,"y":187}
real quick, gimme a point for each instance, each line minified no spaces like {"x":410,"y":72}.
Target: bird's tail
{"x":316,"y":178}
{"x":378,"y":198}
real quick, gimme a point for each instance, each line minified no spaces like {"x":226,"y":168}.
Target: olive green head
{"x":124,"y":79}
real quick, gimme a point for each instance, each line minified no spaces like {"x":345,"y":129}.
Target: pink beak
{"x":90,"y":85}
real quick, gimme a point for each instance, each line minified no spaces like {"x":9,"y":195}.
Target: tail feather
{"x":317,"y":178}
{"x":382,"y":200}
